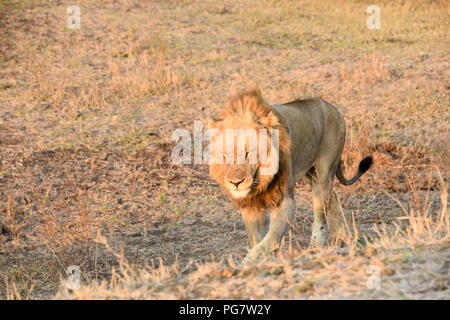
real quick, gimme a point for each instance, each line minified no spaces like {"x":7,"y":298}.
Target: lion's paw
{"x":257,"y":254}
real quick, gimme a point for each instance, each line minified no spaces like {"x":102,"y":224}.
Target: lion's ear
{"x":269,"y":120}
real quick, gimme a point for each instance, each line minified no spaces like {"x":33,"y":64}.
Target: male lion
{"x":311,"y":139}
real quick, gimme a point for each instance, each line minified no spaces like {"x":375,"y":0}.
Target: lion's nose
{"x":236,"y":183}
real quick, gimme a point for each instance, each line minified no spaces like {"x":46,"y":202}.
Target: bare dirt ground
{"x":86,"y":121}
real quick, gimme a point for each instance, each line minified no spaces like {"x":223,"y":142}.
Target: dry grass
{"x":85,"y":139}
{"x":411,"y":263}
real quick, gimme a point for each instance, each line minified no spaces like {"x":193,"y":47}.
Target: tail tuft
{"x":365,"y":164}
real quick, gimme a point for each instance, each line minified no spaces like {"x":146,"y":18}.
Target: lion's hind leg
{"x":319,"y":235}
{"x":328,"y":221}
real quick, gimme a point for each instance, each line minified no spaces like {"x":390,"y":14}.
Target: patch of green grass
{"x":162,"y":198}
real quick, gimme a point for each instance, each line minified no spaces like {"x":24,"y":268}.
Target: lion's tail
{"x":364,"y":165}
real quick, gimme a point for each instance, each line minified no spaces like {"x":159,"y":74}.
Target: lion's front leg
{"x":280,"y":218}
{"x":254,"y":220}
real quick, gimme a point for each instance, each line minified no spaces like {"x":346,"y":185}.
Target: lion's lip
{"x":239,"y":193}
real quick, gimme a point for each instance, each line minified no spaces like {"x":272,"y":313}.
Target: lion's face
{"x":243,"y":167}
{"x":240,"y":179}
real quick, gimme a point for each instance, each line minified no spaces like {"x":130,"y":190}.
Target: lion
{"x":311,"y":136}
